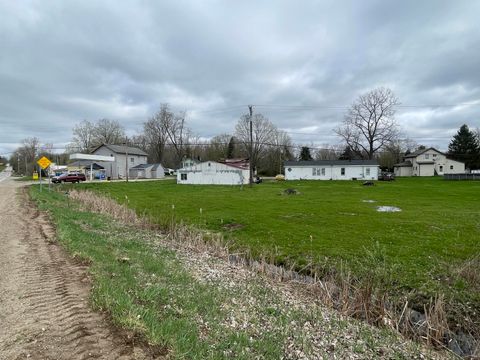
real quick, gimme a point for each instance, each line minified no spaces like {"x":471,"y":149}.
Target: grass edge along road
{"x":213,"y":310}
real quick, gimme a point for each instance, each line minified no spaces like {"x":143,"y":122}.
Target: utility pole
{"x":250,"y":109}
{"x":126,"y":159}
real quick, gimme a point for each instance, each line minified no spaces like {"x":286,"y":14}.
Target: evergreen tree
{"x":465,"y":147}
{"x":231,"y":148}
{"x":347,"y":154}
{"x":305,"y":154}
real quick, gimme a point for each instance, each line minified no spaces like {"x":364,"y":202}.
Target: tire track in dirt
{"x":44,"y":308}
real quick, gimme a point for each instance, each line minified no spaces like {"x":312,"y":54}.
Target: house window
{"x":316,"y":171}
{"x":323,"y":171}
{"x":183,"y":176}
{"x":451,"y":167}
{"x":441,"y":168}
{"x":367,"y":171}
{"x":427,"y":156}
{"x":342,"y":171}
{"x":434,"y":155}
{"x":209,"y":164}
{"x":132,"y":160}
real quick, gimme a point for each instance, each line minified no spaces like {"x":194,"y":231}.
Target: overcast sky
{"x":65,"y":61}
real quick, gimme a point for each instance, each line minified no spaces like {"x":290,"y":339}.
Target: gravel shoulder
{"x":44,"y":308}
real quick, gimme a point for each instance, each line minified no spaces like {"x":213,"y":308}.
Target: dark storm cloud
{"x":62,"y":62}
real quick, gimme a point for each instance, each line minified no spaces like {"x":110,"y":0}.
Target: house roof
{"x":120,"y":149}
{"x":420,"y":152}
{"x":331,"y":162}
{"x":146,"y":166}
{"x":403,"y":164}
{"x":237,"y":163}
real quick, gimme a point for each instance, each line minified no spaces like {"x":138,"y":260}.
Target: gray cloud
{"x":62,"y":62}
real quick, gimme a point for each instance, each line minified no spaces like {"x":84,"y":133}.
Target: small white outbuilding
{"x":229,"y":172}
{"x":331,"y":170}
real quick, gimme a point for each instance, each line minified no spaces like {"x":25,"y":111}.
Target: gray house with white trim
{"x":126,"y":157}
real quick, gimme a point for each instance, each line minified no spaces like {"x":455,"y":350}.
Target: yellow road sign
{"x":44,"y":162}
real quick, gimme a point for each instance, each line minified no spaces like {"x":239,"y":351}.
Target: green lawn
{"x":331,"y":221}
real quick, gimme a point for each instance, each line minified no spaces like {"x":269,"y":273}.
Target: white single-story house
{"x":428,"y":162}
{"x":147,"y":171}
{"x":331,"y":170}
{"x":228,"y":172}
{"x":126,"y":157}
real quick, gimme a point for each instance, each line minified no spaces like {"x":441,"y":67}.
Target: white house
{"x":229,"y":172}
{"x":126,"y":157}
{"x":331,"y":170}
{"x":147,"y":171}
{"x":428,"y":162}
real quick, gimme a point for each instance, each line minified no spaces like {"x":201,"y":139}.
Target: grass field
{"x":426,"y":244}
{"x":191,"y":306}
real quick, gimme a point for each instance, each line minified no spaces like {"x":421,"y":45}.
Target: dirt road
{"x":44,"y":310}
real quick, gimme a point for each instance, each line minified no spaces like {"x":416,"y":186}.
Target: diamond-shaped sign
{"x":44,"y":162}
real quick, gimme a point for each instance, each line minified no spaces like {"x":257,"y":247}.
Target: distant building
{"x":125,"y":157}
{"x":331,"y":170}
{"x":428,"y":162}
{"x":147,"y":171}
{"x":228,"y":172}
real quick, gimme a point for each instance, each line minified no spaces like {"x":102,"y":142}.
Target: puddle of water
{"x":388,"y":209}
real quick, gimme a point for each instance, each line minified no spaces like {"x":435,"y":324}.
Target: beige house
{"x":428,"y":162}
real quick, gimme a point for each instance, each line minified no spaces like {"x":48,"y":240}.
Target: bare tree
{"x":327,"y":152}
{"x":369,"y":124}
{"x":168,"y":137}
{"x":263,"y":135}
{"x":271,"y":163}
{"x":108,"y":132}
{"x":218,"y":147}
{"x":83,"y":137}
{"x":155,"y":133}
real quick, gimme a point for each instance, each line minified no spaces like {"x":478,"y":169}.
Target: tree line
{"x":368,"y":131}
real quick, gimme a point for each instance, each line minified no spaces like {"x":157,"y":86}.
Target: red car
{"x":73,"y":178}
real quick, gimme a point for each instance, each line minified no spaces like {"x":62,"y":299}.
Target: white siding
{"x":212,"y":173}
{"x":331,"y":172}
{"x":441,"y":165}
{"x":403,"y":171}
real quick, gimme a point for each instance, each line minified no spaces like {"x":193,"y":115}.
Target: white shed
{"x":147,"y":171}
{"x":230,"y":172}
{"x":331,"y":170}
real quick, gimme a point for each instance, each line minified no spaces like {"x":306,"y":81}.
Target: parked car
{"x":71,"y":177}
{"x":169,"y":171}
{"x":386,"y":176}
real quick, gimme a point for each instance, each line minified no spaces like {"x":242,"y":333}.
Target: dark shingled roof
{"x":330,"y":162}
{"x":146,"y":166}
{"x":120,"y":149}
{"x":403,"y":164}
{"x":421,"y":151}
{"x":86,"y":164}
